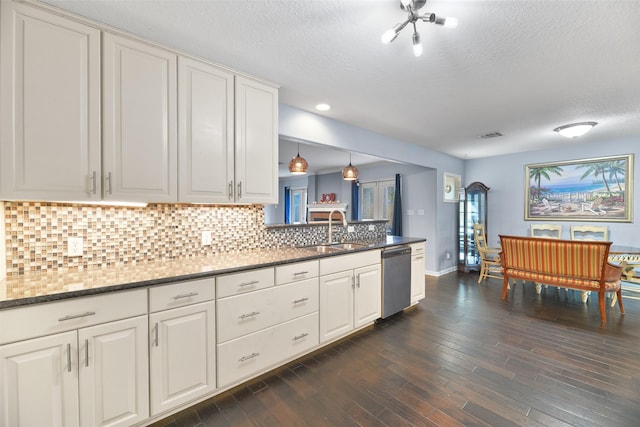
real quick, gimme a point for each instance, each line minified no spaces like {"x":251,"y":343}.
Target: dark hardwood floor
{"x":461,"y":357}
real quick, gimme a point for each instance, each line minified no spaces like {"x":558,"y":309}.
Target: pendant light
{"x":350,"y":172}
{"x":298,"y":165}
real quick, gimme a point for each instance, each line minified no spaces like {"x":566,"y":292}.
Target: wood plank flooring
{"x":461,"y":357}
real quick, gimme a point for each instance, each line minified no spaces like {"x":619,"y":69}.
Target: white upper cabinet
{"x":206,"y":134}
{"x":139,"y":119}
{"x":256,"y":142}
{"x":50,"y":106}
{"x":228,"y":136}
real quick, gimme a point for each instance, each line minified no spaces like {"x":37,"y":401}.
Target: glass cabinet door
{"x":473,"y":210}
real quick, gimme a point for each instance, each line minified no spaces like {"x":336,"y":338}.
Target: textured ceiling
{"x":517,"y":67}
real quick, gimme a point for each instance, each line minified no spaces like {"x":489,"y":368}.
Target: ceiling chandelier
{"x":412,"y":7}
{"x":298,"y":165}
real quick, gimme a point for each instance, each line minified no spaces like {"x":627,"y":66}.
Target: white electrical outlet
{"x":206,"y":238}
{"x":74,"y":246}
{"x":372,"y":227}
{"x":351,"y":229}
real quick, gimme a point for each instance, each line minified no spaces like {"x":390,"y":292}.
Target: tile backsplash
{"x":36,"y":234}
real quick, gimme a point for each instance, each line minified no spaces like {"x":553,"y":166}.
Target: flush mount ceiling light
{"x":575,"y":130}
{"x":323,"y":107}
{"x":350,"y":172}
{"x":412,"y":7}
{"x":298,"y":165}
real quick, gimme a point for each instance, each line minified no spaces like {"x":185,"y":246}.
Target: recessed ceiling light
{"x":575,"y":129}
{"x":323,"y":107}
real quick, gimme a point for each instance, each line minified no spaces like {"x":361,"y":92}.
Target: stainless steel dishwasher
{"x":396,"y":280}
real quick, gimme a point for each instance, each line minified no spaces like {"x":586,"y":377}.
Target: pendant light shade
{"x":350,"y":172}
{"x":298,"y":165}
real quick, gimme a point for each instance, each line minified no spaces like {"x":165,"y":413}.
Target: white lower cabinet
{"x":351,"y":298}
{"x":114,"y":374}
{"x":182,"y":343}
{"x":95,"y":376}
{"x":263,"y":328}
{"x":417,"y":272}
{"x":250,"y":354}
{"x":40,"y":382}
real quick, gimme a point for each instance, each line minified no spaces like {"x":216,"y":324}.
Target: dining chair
{"x":550,"y":231}
{"x":591,"y":232}
{"x":490,"y":265}
{"x":547,"y":231}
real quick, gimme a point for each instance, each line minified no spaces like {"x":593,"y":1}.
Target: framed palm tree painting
{"x":597,"y":189}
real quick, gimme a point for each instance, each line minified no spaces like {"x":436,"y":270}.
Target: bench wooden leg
{"x":505,"y":286}
{"x":619,"y":295}
{"x":603,"y":310}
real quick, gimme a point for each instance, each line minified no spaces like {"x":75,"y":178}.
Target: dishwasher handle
{"x":393,"y":252}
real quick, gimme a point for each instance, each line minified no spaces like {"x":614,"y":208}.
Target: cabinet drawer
{"x":243,"y":314}
{"x":18,"y":323}
{"x":296,"y":272}
{"x":238,"y":283}
{"x":336,"y":264}
{"x":251,"y":354}
{"x":296,"y":300}
{"x":180,"y":294}
{"x":417,"y":249}
{"x":296,"y":336}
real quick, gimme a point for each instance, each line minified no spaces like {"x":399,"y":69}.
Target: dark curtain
{"x":396,"y":226}
{"x":355,"y":200}
{"x":287,"y":206}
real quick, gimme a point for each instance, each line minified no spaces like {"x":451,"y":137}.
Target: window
{"x":376,"y":200}
{"x":298,"y":205}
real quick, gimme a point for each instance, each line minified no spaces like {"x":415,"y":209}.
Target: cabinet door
{"x":206,"y":133}
{"x":39,"y":382}
{"x":114,"y":373}
{"x":182,"y":355}
{"x":256,"y":157}
{"x":50,"y":121}
{"x":140,"y":134}
{"x":417,"y":272}
{"x":368,"y":293}
{"x":336,"y":305}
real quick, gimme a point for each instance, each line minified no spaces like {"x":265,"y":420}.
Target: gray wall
{"x":505,"y":175}
{"x":440,"y":219}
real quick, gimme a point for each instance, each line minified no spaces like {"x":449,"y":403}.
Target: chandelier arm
{"x":427,"y":17}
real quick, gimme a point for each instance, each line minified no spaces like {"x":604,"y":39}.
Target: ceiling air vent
{"x":490,"y":135}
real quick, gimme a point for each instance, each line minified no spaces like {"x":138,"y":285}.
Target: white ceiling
{"x":517,"y":67}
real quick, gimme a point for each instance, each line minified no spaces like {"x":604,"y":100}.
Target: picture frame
{"x":596,"y":189}
{"x":451,"y":187}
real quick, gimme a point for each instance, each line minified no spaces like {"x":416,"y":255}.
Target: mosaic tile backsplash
{"x":37,"y":233}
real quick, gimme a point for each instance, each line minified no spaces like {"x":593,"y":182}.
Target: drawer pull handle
{"x":77,"y":316}
{"x":251,"y":283}
{"x":86,"y":353}
{"x":155,"y":334}
{"x":418,"y":258}
{"x":300,"y":273}
{"x":68,"y":357}
{"x":251,"y":356}
{"x":299,"y":337}
{"x":248,"y":315}
{"x":298,"y":301}
{"x":189,"y":295}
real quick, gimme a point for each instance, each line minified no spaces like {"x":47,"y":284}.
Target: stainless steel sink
{"x":333,"y":247}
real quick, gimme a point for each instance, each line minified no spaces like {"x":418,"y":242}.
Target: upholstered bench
{"x":574,"y":264}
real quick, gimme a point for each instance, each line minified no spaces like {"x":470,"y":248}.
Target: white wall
{"x":505,"y":175}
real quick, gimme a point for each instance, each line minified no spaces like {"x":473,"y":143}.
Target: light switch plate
{"x":206,"y":238}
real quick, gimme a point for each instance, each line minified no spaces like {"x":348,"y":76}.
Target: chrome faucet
{"x":344,"y":222}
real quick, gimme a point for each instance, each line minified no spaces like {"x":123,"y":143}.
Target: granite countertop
{"x":45,"y":287}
